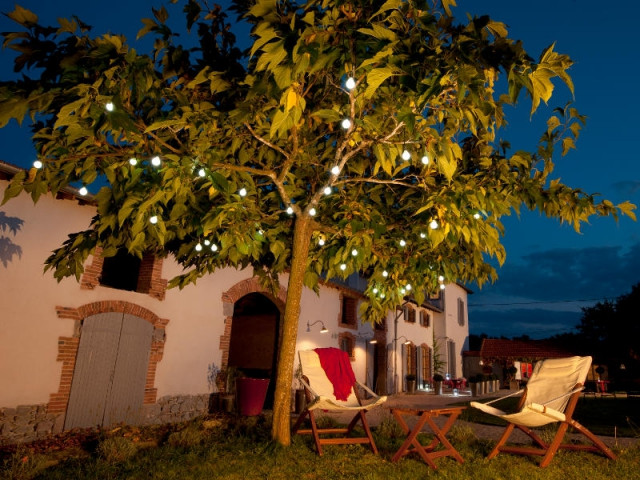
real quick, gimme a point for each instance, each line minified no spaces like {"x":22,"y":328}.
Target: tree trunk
{"x":281,"y":429}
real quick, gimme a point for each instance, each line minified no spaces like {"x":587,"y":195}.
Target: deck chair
{"x":319,"y":391}
{"x":550,"y":396}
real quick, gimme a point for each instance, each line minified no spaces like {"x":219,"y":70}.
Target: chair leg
{"x":553,"y":446}
{"x":299,"y":421}
{"x":599,"y":444}
{"x":503,"y":439}
{"x":367,"y":430}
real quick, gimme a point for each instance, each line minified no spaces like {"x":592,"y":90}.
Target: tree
{"x":357,"y":136}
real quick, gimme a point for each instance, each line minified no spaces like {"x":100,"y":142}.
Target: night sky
{"x":550,"y":271}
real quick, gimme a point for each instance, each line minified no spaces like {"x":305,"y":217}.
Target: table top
{"x":429,"y":411}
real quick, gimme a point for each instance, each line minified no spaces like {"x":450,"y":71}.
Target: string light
{"x":476,"y":216}
{"x":350,"y":83}
{"x":207,"y":243}
{"x":321,"y":241}
{"x":354,"y":252}
{"x":425,"y":160}
{"x":335,"y":170}
{"x":403,"y":243}
{"x":199,"y":247}
{"x":346,"y":124}
{"x":375,"y":290}
{"x":423,"y":235}
{"x":133,"y":161}
{"x":83,"y":191}
{"x":37,"y":164}
{"x":214,"y":247}
{"x":406,"y":155}
{"x":382,"y":295}
{"x":290,"y":211}
{"x":155,"y":161}
{"x":442,"y":287}
{"x":153,"y":220}
{"x":402,"y":291}
{"x":201,"y":172}
{"x":312,"y":212}
{"x":433,"y":224}
{"x":408,"y":287}
{"x":441,"y":278}
{"x":327,"y":190}
{"x":385,"y":274}
{"x":243,"y":192}
{"x":110,"y":107}
{"x":343,"y":267}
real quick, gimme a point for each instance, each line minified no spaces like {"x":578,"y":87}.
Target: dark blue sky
{"x":549,"y":267}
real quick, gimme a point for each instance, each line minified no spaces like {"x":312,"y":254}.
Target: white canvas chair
{"x":319,"y":391}
{"x":550,"y":396}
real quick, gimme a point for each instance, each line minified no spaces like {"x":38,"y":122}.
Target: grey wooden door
{"x":110,"y":371}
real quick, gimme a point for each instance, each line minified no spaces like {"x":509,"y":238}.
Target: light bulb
{"x":441,"y":278}
{"x":199,"y":247}
{"x":321,"y":242}
{"x":214,"y":247}
{"x":290,"y":210}
{"x":335,"y":170}
{"x":425,"y":160}
{"x":442,"y":287}
{"x":346,"y":124}
{"x":354,"y":252}
{"x":201,"y":172}
{"x":382,"y":295}
{"x":312,"y":212}
{"x":327,"y":190}
{"x":375,"y":290}
{"x":243,"y":192}
{"x":433,"y":224}
{"x":350,"y":83}
{"x":385,"y":274}
{"x":406,"y":155}
{"x":83,"y":191}
{"x":155,"y":161}
{"x":423,"y":235}
{"x":403,"y":243}
{"x":153,"y":219}
{"x":133,"y":161}
{"x":37,"y":164}
{"x":343,"y":267}
{"x":110,"y":107}
{"x":408,"y":286}
{"x":207,"y":243}
{"x":476,"y":216}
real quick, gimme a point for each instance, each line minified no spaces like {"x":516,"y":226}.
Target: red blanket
{"x":337,"y":367}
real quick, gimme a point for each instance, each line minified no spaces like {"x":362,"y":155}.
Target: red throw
{"x":337,"y":366}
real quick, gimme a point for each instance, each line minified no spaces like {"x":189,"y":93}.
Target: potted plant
{"x":513,"y":383}
{"x":227,"y":384}
{"x":411,"y":382}
{"x":212,"y":380}
{"x":437,"y":383}
{"x":474,"y":381}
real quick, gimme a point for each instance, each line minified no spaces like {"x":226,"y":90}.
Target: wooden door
{"x":110,"y":373}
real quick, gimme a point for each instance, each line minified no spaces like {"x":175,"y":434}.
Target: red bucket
{"x":251,"y":394}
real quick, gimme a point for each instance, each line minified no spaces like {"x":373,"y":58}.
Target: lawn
{"x":239,"y":448}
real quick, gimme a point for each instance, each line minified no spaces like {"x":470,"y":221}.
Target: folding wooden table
{"x":427,"y":452}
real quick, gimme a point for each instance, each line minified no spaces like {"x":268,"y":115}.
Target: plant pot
{"x":214,"y":402}
{"x":514,"y":385}
{"x":474,"y":389}
{"x":411,"y":386}
{"x":251,"y":393}
{"x":300,"y":400}
{"x":227,"y":403}
{"x":437,"y":386}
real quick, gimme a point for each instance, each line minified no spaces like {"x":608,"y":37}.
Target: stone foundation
{"x":179,"y":408}
{"x":26,"y":423}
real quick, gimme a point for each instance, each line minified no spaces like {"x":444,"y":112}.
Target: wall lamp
{"x":322,"y":330}
{"x":368,"y":339}
{"x":406,"y":342}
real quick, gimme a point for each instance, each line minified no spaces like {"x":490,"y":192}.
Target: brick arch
{"x":68,"y":347}
{"x":235,"y":293}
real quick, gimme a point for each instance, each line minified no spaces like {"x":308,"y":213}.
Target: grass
{"x":231,"y":448}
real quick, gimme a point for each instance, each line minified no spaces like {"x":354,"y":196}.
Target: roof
{"x":521,"y":349}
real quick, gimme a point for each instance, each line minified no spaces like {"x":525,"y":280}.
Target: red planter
{"x":251,"y":393}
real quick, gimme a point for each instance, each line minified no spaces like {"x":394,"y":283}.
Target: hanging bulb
{"x":201,"y":172}
{"x":327,"y":190}
{"x":346,"y":124}
{"x":83,"y":191}
{"x":425,"y":160}
{"x":321,"y":241}
{"x":155,"y":161}
{"x":423,"y":235}
{"x":312,"y":212}
{"x":335,"y":170}
{"x":207,"y":243}
{"x":214,"y":247}
{"x":354,"y":252}
{"x":441,"y":278}
{"x":243,"y":192}
{"x":385,"y":274}
{"x":133,"y":161}
{"x":402,"y":291}
{"x":382,"y":295}
{"x":350,"y":83}
{"x":403,"y":243}
{"x":375,"y":290}
{"x":199,"y":247}
{"x":153,"y":220}
{"x":110,"y":107}
{"x":477,"y":216}
{"x":433,"y":225}
{"x":406,"y":155}
{"x":290,"y":210}
{"x":343,"y":267}
{"x":442,"y":287}
{"x":408,"y":287}
{"x":37,"y":164}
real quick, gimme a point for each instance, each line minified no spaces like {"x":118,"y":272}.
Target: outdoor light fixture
{"x":406,"y":342}
{"x":433,"y":224}
{"x":406,"y":155}
{"x":327,"y":190}
{"x":350,"y":83}
{"x":133,"y":161}
{"x":37,"y":164}
{"x":335,"y":170}
{"x":154,"y":219}
{"x":346,"y":124}
{"x":201,"y":172}
{"x":109,"y":106}
{"x":83,"y":191}
{"x":312,"y":212}
{"x":425,"y":160}
{"x":155,"y":161}
{"x":322,"y":330}
{"x":373,"y":341}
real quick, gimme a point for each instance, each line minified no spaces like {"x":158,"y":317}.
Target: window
{"x":412,"y":356}
{"x":121,"y":271}
{"x":346,"y":343}
{"x":409,"y":314}
{"x":425,"y":360}
{"x":461,"y":312}
{"x":425,"y":318}
{"x":349,"y":313}
{"x":451,"y":351}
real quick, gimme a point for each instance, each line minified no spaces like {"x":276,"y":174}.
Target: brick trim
{"x":68,"y":347}
{"x":150,"y":279}
{"x":231,"y":296}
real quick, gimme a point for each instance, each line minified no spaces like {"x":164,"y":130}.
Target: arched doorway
{"x":255,"y":333}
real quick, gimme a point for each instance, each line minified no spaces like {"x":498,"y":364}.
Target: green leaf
{"x":375,"y":79}
{"x":24,"y":17}
{"x":327,"y":114}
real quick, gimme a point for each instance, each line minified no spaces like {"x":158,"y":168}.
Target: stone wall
{"x":178,"y":408}
{"x":26,"y":423}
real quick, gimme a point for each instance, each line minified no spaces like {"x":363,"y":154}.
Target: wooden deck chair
{"x":550,"y":396}
{"x":319,"y":391}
